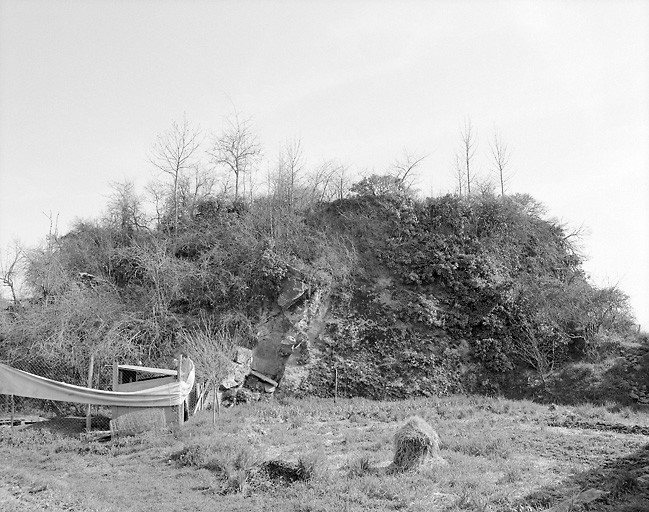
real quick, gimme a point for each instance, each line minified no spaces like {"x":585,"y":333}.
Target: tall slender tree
{"x":468,"y":152}
{"x":175,"y":152}
{"x":236,"y":149}
{"x":500,"y":158}
{"x":458,"y":173}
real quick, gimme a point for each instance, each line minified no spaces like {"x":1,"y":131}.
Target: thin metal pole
{"x":13,"y":411}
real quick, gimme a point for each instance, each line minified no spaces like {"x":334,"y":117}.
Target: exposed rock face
{"x":287,"y":339}
{"x":309,"y":324}
{"x":293,"y":290}
{"x":239,"y":368}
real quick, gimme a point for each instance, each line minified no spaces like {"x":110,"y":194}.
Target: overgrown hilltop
{"x":476,"y":293}
{"x":463,"y":293}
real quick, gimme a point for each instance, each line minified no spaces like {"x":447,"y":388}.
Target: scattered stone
{"x":239,"y":368}
{"x":243,"y":356}
{"x":245,"y":396}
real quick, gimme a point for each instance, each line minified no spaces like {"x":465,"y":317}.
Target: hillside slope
{"x":379,"y":294}
{"x":455,"y":294}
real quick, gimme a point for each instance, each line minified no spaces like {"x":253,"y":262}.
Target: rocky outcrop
{"x":239,"y":370}
{"x":287,"y":338}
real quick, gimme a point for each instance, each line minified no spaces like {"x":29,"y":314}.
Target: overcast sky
{"x":85,"y":87}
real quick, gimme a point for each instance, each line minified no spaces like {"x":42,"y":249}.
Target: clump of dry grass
{"x":416,"y":445}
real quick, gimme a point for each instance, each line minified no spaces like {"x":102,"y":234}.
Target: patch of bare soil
{"x":621,"y":484}
{"x":70,"y":425}
{"x":599,"y":425}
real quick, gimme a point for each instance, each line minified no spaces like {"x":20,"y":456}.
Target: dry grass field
{"x":316,"y":456}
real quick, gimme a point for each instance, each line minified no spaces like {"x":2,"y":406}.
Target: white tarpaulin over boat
{"x":20,"y":383}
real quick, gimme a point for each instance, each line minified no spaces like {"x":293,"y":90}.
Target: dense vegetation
{"x":484,"y":293}
{"x":453,"y":293}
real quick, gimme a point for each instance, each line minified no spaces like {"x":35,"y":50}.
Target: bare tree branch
{"x":404,"y":168}
{"x":174,"y":153}
{"x":237,"y":149}
{"x":125,"y":208}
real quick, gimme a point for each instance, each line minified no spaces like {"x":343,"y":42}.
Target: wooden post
{"x":215,"y":402}
{"x":181,"y":405}
{"x":90,"y":372}
{"x":335,"y":384}
{"x":202,"y":390}
{"x":115,"y":375}
{"x":13,"y":411}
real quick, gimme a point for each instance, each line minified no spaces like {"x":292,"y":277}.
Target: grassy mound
{"x":416,"y":445}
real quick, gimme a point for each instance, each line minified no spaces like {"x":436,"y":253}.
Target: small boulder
{"x":239,"y":369}
{"x":293,"y":289}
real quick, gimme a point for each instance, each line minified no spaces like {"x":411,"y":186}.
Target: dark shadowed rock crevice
{"x":289,"y":333}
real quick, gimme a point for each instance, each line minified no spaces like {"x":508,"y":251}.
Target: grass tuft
{"x":416,"y":444}
{"x":360,"y":466}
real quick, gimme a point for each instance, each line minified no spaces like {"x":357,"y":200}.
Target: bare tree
{"x":459,"y":174}
{"x":468,"y":152}
{"x":500,"y":155}
{"x":285,"y":180}
{"x":404,"y":169}
{"x":293,"y":158}
{"x":322,"y":181}
{"x":44,"y":271}
{"x":342,"y":182}
{"x":192,"y":188}
{"x":485,"y":187}
{"x":236,"y":149}
{"x":125,"y":208}
{"x":9,"y":269}
{"x":174,"y":153}
{"x":162,"y":270}
{"x":156,"y":190}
